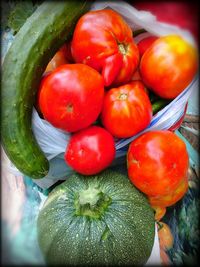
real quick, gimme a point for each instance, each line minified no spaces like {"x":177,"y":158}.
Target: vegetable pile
{"x":85,"y":75}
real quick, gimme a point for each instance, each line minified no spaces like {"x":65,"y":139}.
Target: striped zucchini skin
{"x":34,"y":45}
{"x":121,"y":234}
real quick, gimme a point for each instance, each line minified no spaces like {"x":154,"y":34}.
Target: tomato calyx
{"x":123,"y":48}
{"x":122,"y":96}
{"x":70,"y":108}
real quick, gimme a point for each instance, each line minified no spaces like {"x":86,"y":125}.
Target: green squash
{"x":100,"y":220}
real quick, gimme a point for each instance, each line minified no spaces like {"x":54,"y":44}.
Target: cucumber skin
{"x":34,"y":45}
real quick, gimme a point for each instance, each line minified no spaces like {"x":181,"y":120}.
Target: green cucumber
{"x":34,"y":45}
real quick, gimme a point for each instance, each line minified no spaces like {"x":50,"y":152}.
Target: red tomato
{"x":168,"y":66}
{"x":136,"y":76}
{"x":158,"y":164}
{"x":104,"y":41}
{"x":126,"y":110}
{"x":66,"y":49}
{"x":90,"y":150}
{"x":145,"y":43}
{"x":71,"y":97}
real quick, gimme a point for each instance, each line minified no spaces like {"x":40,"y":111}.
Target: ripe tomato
{"x":158,"y":164}
{"x":126,"y":110}
{"x":168,"y":66}
{"x":104,"y":41}
{"x":136,"y":76}
{"x":66,"y":49}
{"x":172,"y":197}
{"x":58,"y":60}
{"x":145,"y":43}
{"x":71,"y":97}
{"x":90,"y":150}
{"x":165,"y":236}
{"x":37,"y":105}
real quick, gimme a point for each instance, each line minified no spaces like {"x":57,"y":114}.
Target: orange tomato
{"x":166,"y":239}
{"x":58,"y":60}
{"x":169,"y":65}
{"x":145,"y":43}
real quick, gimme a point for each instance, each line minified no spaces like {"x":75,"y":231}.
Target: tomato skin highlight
{"x":126,"y":110}
{"x":90,"y":150}
{"x":168,"y":66}
{"x":71,"y":97}
{"x":100,"y":36}
{"x":157,"y":163}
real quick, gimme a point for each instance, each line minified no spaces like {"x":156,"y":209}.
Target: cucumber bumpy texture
{"x":37,"y":41}
{"x":100,"y":220}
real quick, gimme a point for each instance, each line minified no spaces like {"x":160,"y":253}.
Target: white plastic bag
{"x":54,"y":141}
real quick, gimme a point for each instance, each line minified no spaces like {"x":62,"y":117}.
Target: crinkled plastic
{"x":54,"y":141}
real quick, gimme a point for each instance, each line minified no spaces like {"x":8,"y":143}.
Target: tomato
{"x":165,"y":236}
{"x":126,"y":110}
{"x":66,"y":50}
{"x":58,"y":60}
{"x":145,"y":43}
{"x":90,"y":150}
{"x":104,"y":41}
{"x":37,"y":105}
{"x":158,"y":165}
{"x":172,"y":197}
{"x":71,"y":97}
{"x":168,"y":66}
{"x":136,"y":76}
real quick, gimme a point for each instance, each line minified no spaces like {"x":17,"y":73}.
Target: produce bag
{"x":53,"y":141}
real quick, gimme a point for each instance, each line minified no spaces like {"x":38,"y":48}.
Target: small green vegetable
{"x":159,"y":104}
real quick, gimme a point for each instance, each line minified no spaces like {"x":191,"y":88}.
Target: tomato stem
{"x":69,"y":108}
{"x":123,"y":96}
{"x":122,"y":48}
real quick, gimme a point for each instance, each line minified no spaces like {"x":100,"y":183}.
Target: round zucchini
{"x":96,"y":221}
{"x":40,"y":37}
